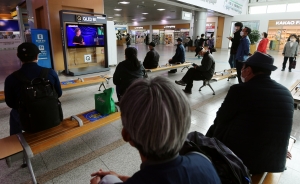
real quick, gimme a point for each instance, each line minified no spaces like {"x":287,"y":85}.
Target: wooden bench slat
{"x":87,"y":81}
{"x":73,"y":133}
{"x":9,"y":146}
{"x":169,"y":67}
{"x":2,"y":97}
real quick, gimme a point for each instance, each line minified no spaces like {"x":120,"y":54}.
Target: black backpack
{"x":229,"y":167}
{"x":39,"y":108}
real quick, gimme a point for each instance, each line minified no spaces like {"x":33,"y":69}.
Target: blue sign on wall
{"x":40,"y":37}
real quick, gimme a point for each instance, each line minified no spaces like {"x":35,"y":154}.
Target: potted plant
{"x":254,"y":36}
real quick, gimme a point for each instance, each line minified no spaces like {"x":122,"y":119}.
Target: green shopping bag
{"x":104,"y":102}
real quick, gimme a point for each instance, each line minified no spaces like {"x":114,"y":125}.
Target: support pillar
{"x":199,"y":23}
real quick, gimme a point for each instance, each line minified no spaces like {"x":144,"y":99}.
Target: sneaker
{"x":187,"y":92}
{"x":282,"y":69}
{"x":180,"y":83}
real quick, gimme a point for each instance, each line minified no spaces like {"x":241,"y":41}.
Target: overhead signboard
{"x":186,"y":15}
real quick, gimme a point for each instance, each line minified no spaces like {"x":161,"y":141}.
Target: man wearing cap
{"x":152,"y":58}
{"x":255,"y":119}
{"x":204,"y":71}
{"x":28,"y":54}
{"x":179,"y":56}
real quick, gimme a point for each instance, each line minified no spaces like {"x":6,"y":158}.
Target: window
{"x":276,"y":8}
{"x":293,"y":7}
{"x":257,"y":9}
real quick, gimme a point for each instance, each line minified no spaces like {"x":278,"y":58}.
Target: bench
{"x":170,"y":67}
{"x":70,"y":84}
{"x":295,"y":91}
{"x":33,"y":143}
{"x":225,"y":74}
{"x":270,"y":178}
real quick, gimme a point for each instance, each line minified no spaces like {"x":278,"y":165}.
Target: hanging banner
{"x":40,"y":37}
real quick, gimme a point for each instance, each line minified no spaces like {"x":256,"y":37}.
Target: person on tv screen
{"x":78,"y":39}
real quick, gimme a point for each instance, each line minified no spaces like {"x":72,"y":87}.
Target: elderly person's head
{"x":258,"y":63}
{"x":156,"y":118}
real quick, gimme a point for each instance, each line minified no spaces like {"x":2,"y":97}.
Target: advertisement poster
{"x":40,"y":37}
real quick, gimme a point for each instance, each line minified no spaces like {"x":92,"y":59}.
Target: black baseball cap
{"x":27,"y":52}
{"x":179,"y":39}
{"x":152,"y":44}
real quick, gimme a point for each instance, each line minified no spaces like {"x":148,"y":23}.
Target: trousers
{"x":285,"y":61}
{"x":14,"y":122}
{"x":231,"y":61}
{"x":191,"y":75}
{"x":239,"y":66}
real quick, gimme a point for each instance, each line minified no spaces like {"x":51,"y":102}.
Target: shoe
{"x":282,"y":69}
{"x":187,"y":92}
{"x":172,"y":71}
{"x":290,"y":70}
{"x":180,"y":83}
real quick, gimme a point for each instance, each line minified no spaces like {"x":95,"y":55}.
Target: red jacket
{"x":262,"y":46}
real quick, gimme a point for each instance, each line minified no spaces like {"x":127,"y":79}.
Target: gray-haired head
{"x":157,"y":116}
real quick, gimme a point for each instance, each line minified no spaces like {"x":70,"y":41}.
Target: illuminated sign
{"x":139,"y":28}
{"x":169,"y":27}
{"x":288,"y":22}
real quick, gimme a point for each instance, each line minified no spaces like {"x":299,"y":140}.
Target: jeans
{"x":239,"y":66}
{"x":14,"y":122}
{"x":191,"y":75}
{"x":285,"y":60}
{"x":231,"y":61}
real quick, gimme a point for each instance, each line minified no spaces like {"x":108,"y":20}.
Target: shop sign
{"x":80,"y":18}
{"x":139,"y":28}
{"x":289,"y":22}
{"x":210,"y":26}
{"x":169,"y":27}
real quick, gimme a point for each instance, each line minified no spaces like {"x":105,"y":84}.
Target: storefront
{"x":210,"y":29}
{"x":280,"y":30}
{"x":138,"y":33}
{"x":168,"y":34}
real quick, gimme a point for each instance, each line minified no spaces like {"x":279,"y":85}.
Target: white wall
{"x":111,"y":44}
{"x":262,"y":18}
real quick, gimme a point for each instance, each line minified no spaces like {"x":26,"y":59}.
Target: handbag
{"x":104,"y":102}
{"x":293,"y":64}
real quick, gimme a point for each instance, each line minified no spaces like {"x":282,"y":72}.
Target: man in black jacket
{"x":204,"y":71}
{"x":152,"y":58}
{"x":255,"y":119}
{"x":235,"y":43}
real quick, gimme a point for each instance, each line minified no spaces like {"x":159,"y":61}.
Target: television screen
{"x":9,"y":25}
{"x":80,"y":35}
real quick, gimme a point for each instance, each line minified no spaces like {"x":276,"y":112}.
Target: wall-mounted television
{"x":82,"y":35}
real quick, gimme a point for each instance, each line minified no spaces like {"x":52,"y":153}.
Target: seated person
{"x":152,"y":58}
{"x":127,"y":71}
{"x":28,"y":54}
{"x":204,"y":71}
{"x":179,"y":56}
{"x":255,"y":119}
{"x":156,"y":123}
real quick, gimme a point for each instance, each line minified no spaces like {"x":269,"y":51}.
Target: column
{"x":199,"y":23}
{"x":150,"y":33}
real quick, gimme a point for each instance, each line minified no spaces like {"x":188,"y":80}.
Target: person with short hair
{"x":28,"y":54}
{"x":128,"y":40}
{"x":127,"y":71}
{"x":290,"y":51}
{"x":200,"y":45}
{"x":255,"y":120}
{"x":152,"y":57}
{"x":204,"y":71}
{"x":243,"y":50}
{"x":235,"y":43}
{"x":211,"y":43}
{"x":156,"y":122}
{"x":263,"y":44}
{"x":179,"y":56}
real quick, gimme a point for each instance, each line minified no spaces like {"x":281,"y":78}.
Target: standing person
{"x":152,"y":58}
{"x":128,"y":40}
{"x":255,"y":120}
{"x":211,"y":43}
{"x":200,"y":45}
{"x":28,"y":54}
{"x":156,"y":117}
{"x":127,"y":71}
{"x":263,"y":44}
{"x":242,"y":53}
{"x":179,"y":56}
{"x":196,"y":43}
{"x":235,"y":43}
{"x":204,"y":71}
{"x":290,"y":51}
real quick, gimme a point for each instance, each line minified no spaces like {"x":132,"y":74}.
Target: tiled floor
{"x":74,"y":161}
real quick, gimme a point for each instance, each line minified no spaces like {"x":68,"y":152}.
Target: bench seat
{"x":2,"y":97}
{"x":169,"y":67}
{"x":34,"y":143}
